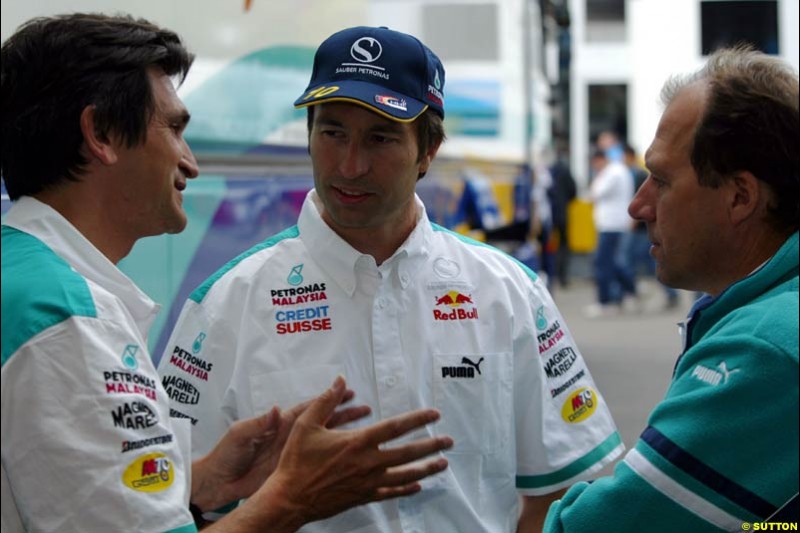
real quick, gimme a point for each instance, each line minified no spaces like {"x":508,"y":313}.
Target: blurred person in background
{"x":611,"y":191}
{"x":721,"y":207}
{"x":94,"y":158}
{"x":413,"y":314}
{"x":561,"y":193}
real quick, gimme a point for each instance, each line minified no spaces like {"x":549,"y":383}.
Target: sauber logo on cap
{"x":366,"y":50}
{"x":579,"y":405}
{"x":149,"y":473}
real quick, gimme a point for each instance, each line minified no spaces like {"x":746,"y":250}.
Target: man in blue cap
{"x":412,"y":314}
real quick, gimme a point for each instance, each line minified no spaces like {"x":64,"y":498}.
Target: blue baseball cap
{"x":388,"y":72}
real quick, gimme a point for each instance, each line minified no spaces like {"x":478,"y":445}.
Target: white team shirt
{"x":611,"y":191}
{"x":444,"y":323}
{"x":87,"y":441}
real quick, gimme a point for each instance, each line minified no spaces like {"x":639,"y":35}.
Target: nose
{"x":188,"y":163}
{"x":642,"y":207}
{"x":354,"y":162}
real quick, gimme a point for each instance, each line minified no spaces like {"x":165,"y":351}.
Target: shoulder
{"x":39,"y":290}
{"x":244,"y":266}
{"x":480,"y":255}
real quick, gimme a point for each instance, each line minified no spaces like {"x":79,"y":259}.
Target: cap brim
{"x":376,"y":98}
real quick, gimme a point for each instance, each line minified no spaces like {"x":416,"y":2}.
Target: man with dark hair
{"x":412,"y":314}
{"x":93,"y":156}
{"x":721,"y":208}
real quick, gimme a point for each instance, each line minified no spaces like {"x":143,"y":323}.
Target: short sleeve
{"x":86,"y":437}
{"x":564,"y":429}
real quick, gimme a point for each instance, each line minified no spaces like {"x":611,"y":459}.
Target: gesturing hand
{"x":249,"y":452}
{"x":322,"y":472}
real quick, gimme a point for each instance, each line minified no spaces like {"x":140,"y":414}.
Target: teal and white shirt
{"x":87,"y":440}
{"x":445,"y":323}
{"x":721,"y":449}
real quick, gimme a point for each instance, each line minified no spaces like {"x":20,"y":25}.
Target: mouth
{"x":180,"y":185}
{"x":350,"y":196}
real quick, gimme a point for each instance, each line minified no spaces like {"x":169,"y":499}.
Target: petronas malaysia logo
{"x":295,"y":276}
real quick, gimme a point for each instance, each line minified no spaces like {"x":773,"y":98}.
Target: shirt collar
{"x":38,"y":219}
{"x":341,"y":261}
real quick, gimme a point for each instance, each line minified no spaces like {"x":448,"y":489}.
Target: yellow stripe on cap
{"x":362,"y":104}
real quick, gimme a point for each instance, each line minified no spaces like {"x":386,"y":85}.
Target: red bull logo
{"x":454,"y":300}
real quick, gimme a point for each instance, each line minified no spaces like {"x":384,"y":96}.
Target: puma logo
{"x":477,"y":366}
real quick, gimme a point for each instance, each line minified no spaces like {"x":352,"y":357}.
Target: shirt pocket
{"x":287,"y":388}
{"x":473,"y":394}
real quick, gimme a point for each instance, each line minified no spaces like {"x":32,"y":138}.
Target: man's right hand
{"x":322,"y":471}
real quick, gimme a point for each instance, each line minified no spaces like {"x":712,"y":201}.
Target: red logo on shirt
{"x":454,"y":300}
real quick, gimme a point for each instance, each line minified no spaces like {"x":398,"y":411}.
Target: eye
{"x":382,"y":139}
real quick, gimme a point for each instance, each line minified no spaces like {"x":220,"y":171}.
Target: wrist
{"x":205,"y":492}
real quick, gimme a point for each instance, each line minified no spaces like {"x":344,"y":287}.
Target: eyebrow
{"x":386,"y":126}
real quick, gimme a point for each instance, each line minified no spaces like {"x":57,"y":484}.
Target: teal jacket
{"x":721,"y":449}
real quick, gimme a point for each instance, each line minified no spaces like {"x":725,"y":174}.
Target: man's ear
{"x":745,"y":196}
{"x":99,"y":146}
{"x":428,"y":158}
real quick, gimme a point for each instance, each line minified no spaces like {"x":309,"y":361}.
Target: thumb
{"x":325,"y":404}
{"x":258,"y":426}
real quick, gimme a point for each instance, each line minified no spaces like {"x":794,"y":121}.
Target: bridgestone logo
{"x":558,"y":390}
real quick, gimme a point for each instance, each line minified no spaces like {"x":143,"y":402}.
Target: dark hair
{"x":751,"y":122}
{"x":53,"y":67}
{"x":430,"y":131}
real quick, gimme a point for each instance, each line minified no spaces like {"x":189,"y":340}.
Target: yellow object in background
{"x":580,"y":226}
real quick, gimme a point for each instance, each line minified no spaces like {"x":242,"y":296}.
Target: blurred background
{"x":531,"y":85}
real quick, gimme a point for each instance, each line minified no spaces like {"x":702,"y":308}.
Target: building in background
{"x":623,"y":51}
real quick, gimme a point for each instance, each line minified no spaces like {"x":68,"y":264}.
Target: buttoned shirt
{"x":87,"y":441}
{"x":445,"y":322}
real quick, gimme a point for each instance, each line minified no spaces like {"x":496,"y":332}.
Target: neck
{"x":88,"y":211}
{"x":752,"y":250}
{"x":380,"y":242}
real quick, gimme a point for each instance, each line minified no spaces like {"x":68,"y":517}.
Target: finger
{"x":321,"y":409}
{"x":258,"y":426}
{"x":348,"y":395}
{"x":412,"y":473}
{"x":386,"y":493}
{"x":300,"y":408}
{"x":397,"y":426}
{"x":414,"y":450}
{"x":345,"y":416}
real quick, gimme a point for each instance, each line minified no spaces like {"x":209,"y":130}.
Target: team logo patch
{"x":558,"y":364}
{"x":314,"y":292}
{"x":149,"y":473}
{"x":541,"y":319}
{"x":133,"y":445}
{"x":569,"y":383}
{"x":550,"y":338}
{"x":189,"y":363}
{"x":714,"y":376}
{"x":197,"y":345}
{"x":129,"y":357}
{"x":467,"y":369}
{"x":303,"y":320}
{"x":134,"y":415}
{"x":446,"y":268}
{"x":391,"y":101}
{"x":295,"y":276}
{"x":449,"y":307}
{"x":177,"y":414}
{"x":579,"y":406}
{"x":180,"y":390}
{"x":130,"y":383}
